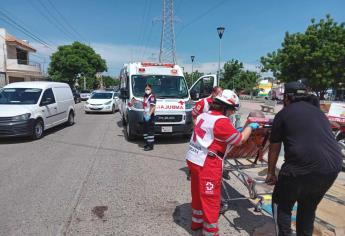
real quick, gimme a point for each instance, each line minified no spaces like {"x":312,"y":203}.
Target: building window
{"x":22,"y":57}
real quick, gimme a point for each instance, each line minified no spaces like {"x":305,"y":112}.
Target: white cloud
{"x":116,"y":55}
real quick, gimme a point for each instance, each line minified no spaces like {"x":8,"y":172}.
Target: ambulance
{"x":174,"y":101}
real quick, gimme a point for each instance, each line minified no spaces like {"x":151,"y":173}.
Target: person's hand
{"x":147,"y":117}
{"x":254,"y":125}
{"x":271,"y":179}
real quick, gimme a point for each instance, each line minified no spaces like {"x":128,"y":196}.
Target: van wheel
{"x":128,"y":132}
{"x":37,"y":130}
{"x":70,"y":120}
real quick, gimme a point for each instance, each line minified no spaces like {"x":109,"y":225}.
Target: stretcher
{"x":245,"y":161}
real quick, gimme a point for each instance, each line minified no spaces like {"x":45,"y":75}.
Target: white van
{"x":29,"y":108}
{"x":174,"y":104}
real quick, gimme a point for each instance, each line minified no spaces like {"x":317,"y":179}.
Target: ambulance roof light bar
{"x":146,"y":64}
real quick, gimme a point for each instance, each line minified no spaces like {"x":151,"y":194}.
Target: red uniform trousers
{"x":206,"y":194}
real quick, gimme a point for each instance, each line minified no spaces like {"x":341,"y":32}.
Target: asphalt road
{"x":88,"y":180}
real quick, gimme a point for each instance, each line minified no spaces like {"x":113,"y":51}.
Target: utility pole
{"x":167,"y":52}
{"x":84,"y":82}
{"x":220,"y":31}
{"x":192,"y":58}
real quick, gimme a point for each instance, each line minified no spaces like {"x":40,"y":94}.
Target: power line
{"x":201,"y":16}
{"x":21,"y":23}
{"x":22,"y":29}
{"x":65,"y":20}
{"x":51,"y":20}
{"x":56,"y":21}
{"x":146,"y":15}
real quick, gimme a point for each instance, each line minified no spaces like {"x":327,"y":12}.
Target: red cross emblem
{"x":209,"y":186}
{"x":181,"y":102}
{"x":198,"y":131}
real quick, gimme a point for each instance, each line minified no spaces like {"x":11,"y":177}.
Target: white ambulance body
{"x":174,"y":104}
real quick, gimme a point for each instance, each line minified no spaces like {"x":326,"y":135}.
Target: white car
{"x":29,"y":108}
{"x":85,"y":95}
{"x":101,"y":101}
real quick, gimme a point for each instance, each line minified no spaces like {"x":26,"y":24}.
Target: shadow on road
{"x":183,"y":217}
{"x":16,"y":140}
{"x":246,"y":219}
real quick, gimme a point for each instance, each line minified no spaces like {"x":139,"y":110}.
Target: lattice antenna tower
{"x":167,"y":51}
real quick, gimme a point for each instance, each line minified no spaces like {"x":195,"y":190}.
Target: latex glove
{"x":147,"y":117}
{"x":254,"y":125}
{"x":240,"y":129}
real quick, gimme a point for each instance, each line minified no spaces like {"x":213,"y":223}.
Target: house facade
{"x":15,"y":63}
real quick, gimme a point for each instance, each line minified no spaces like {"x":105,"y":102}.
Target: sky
{"x":125,"y":31}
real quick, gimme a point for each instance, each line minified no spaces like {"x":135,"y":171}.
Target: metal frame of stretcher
{"x":233,"y":165}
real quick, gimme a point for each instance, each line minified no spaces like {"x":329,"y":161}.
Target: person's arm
{"x":274,"y":149}
{"x":152,"y":104}
{"x":227,"y":133}
{"x":152,"y":109}
{"x":273,"y":155}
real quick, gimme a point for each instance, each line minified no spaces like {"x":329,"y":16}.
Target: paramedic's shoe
{"x":148,"y":148}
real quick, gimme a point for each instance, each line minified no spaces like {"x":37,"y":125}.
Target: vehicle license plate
{"x":166,"y":129}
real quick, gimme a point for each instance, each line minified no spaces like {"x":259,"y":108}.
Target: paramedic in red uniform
{"x":203,"y":105}
{"x":149,"y":105}
{"x":213,"y":135}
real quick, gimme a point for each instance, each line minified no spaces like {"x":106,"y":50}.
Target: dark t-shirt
{"x":309,"y":144}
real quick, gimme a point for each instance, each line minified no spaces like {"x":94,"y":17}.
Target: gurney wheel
{"x":258,"y":208}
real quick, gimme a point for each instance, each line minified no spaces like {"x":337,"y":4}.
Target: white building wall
{"x":3,"y":50}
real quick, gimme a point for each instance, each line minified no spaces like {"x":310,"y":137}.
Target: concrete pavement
{"x":88,"y":180}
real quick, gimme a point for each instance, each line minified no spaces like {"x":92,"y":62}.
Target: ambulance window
{"x":202,"y":89}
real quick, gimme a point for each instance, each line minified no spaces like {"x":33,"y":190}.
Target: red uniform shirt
{"x":201,"y":106}
{"x":224,"y":134}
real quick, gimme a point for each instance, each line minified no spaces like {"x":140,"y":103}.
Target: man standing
{"x":312,"y":160}
{"x":203,"y":105}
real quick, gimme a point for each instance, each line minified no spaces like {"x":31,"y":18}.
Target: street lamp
{"x":192,"y":58}
{"x":220,"y":31}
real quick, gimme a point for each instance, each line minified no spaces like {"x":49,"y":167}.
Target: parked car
{"x":76,"y":96}
{"x":85,"y":94}
{"x":30,"y":108}
{"x":101,"y":101}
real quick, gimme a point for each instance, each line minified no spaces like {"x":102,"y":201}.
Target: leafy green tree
{"x":71,"y":62}
{"x":109,"y":81}
{"x":246,"y":81}
{"x":192,"y":77}
{"x":230,"y":73}
{"x":234,"y":76}
{"x":318,"y":54}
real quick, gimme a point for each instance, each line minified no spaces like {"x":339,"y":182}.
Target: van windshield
{"x":163,"y":86}
{"x":24,"y":96}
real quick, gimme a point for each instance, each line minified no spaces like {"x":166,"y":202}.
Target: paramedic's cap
{"x":295,"y":88}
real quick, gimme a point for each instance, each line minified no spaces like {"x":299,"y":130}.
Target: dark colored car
{"x":76,"y":96}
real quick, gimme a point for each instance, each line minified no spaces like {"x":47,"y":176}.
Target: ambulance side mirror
{"x":124,"y":94}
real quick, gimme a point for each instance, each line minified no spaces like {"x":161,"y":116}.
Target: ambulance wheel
{"x":129,"y":132}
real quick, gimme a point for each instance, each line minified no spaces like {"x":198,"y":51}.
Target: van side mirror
{"x":46,"y":101}
{"x":124,"y":93}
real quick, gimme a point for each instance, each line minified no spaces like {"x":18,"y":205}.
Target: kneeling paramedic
{"x":213,"y":136}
